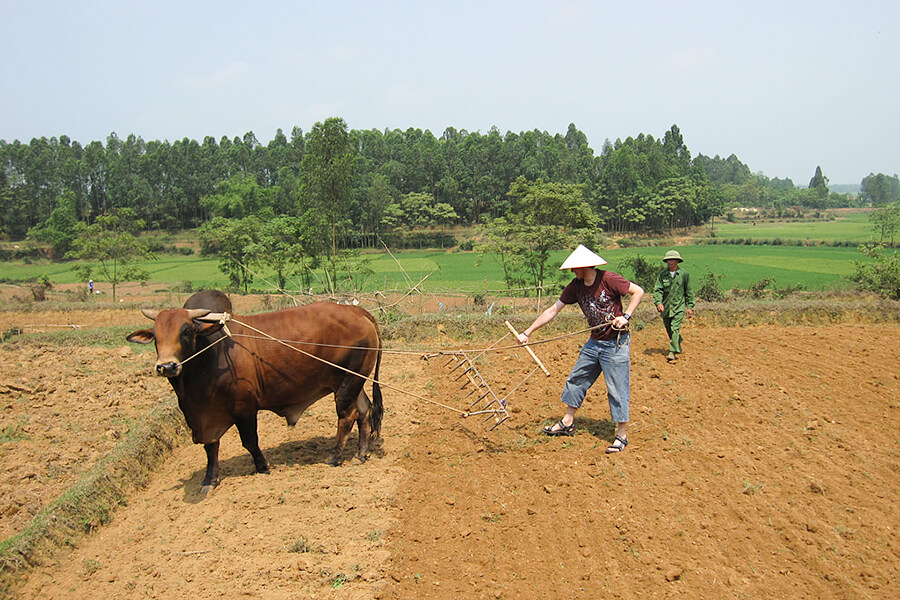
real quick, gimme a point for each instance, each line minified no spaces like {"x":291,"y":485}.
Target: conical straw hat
{"x":582,"y":257}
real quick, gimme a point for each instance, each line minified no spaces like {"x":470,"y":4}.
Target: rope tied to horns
{"x":224,"y":318}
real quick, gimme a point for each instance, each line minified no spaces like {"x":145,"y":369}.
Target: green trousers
{"x":673,"y":328}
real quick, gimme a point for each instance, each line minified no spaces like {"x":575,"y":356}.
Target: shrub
{"x":758,"y":289}
{"x":709,"y":288}
{"x":881,"y":276}
{"x":39,"y":289}
{"x":644,"y":271}
{"x":785,"y":292}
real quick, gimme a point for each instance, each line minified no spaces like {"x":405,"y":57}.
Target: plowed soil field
{"x":764,"y":464}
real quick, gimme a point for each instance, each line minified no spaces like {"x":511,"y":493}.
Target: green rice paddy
{"x":814,"y":267}
{"x":847,"y":226}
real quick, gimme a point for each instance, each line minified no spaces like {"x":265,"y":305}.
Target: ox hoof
{"x":334,"y":461}
{"x":357,"y":460}
{"x":206,"y":489}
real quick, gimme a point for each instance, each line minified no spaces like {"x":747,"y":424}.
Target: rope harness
{"x":224,"y":318}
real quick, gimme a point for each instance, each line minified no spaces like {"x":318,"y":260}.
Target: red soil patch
{"x":764,"y":464}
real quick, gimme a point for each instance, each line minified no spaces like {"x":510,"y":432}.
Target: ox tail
{"x":377,"y":404}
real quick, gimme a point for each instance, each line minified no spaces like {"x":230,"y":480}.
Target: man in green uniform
{"x":674,"y":299}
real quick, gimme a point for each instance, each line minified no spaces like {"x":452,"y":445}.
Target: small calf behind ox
{"x":231,"y":379}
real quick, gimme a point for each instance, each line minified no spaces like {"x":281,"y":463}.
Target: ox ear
{"x":150,"y":313}
{"x":144,"y":336}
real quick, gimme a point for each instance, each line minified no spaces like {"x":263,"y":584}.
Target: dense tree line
{"x":737,"y":186}
{"x":396,"y":179}
{"x":379,"y":184}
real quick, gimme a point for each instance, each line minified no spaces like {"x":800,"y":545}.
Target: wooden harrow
{"x":486,"y":401}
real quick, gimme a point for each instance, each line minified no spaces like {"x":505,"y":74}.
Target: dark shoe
{"x":561,"y":429}
{"x":617,"y":446}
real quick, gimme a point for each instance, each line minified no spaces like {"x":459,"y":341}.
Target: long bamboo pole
{"x":530,"y":351}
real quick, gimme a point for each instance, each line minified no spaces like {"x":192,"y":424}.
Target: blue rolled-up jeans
{"x":613,"y":358}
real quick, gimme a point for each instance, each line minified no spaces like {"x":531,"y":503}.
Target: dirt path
{"x":764,"y":464}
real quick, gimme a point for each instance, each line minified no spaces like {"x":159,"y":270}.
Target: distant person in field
{"x":674,"y":299}
{"x":91,"y":287}
{"x":599,"y":293}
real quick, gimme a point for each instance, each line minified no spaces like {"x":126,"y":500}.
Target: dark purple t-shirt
{"x":600,"y":302}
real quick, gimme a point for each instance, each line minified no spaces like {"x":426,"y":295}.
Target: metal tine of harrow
{"x":475,"y":385}
{"x":461,"y":359}
{"x":498,"y":423}
{"x":479,"y":399}
{"x":492,"y":401}
{"x":495,"y":401}
{"x":492,"y":411}
{"x":459,"y":362}
{"x":472,"y":391}
{"x":496,"y":414}
{"x":473,"y":381}
{"x":461,"y":375}
{"x":499,"y":403}
{"x":487,"y":407}
{"x":473,"y":376}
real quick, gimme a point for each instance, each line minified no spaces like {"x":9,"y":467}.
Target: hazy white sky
{"x":785,"y":85}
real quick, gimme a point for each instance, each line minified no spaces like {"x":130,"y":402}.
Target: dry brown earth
{"x":765,"y":464}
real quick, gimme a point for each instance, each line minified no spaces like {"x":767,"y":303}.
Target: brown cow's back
{"x":285,"y":360}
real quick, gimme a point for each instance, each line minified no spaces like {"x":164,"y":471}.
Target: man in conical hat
{"x":599,"y":293}
{"x":674,"y":299}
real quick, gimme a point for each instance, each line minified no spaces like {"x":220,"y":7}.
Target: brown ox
{"x":231,"y":379}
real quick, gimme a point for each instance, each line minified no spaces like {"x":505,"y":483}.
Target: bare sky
{"x":785,"y":85}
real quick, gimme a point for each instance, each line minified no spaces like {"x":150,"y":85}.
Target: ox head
{"x":175,"y":332}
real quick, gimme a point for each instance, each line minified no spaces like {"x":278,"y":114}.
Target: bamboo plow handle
{"x":530,"y":351}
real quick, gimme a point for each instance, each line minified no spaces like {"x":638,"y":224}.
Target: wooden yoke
{"x":530,"y":351}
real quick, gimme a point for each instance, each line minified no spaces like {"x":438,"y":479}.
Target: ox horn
{"x":196,"y":313}
{"x":150,"y":313}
